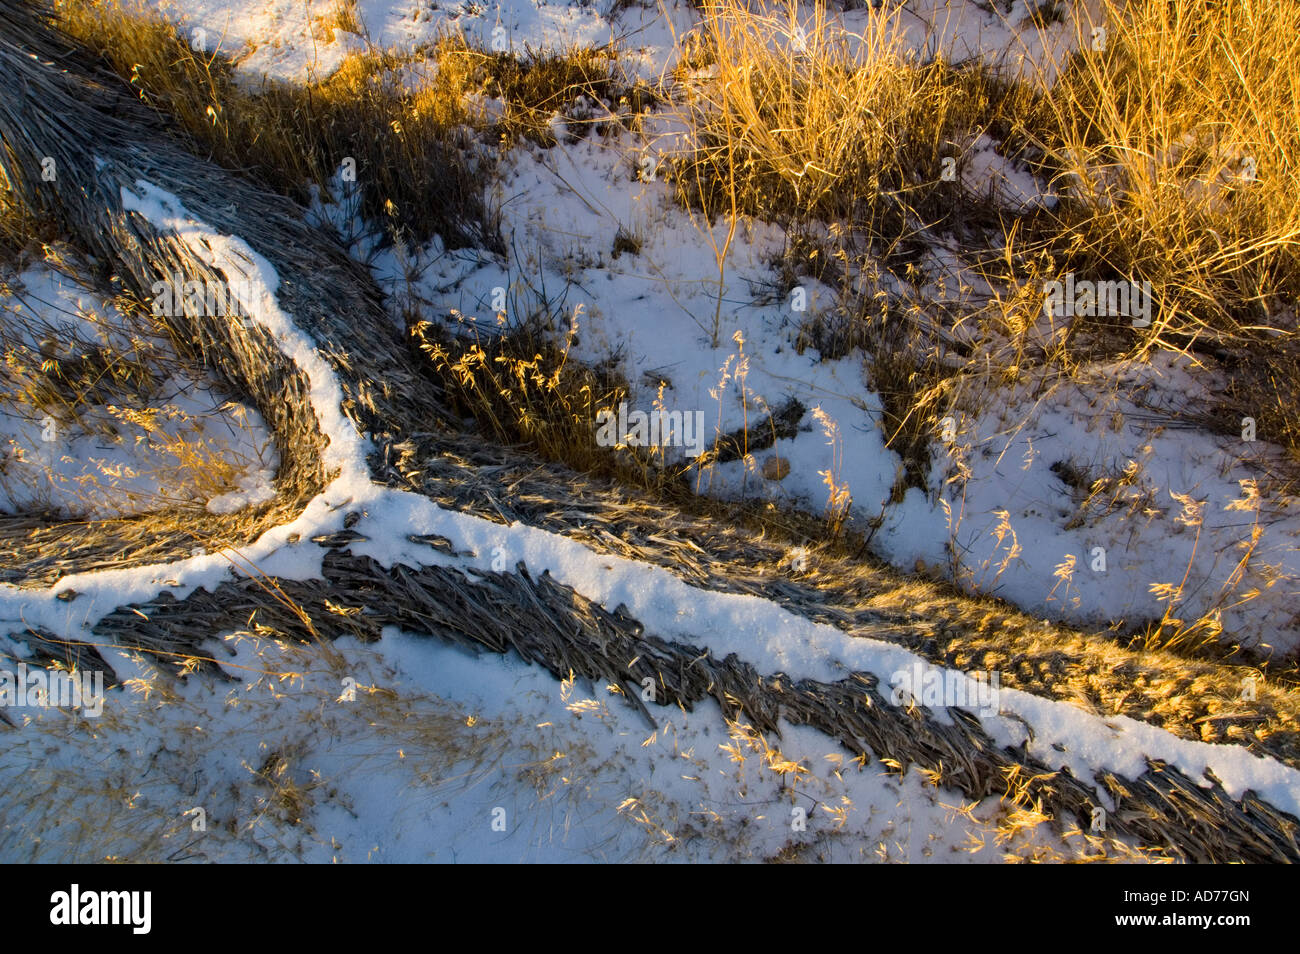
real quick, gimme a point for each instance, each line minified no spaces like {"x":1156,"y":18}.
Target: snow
{"x":115,"y":459}
{"x":283,"y":40}
{"x":656,"y":308}
{"x":987,"y":174}
{"x":253,"y":489}
{"x":294,"y":41}
{"x":1145,"y":537}
{"x":446,"y":744}
{"x":562,"y":209}
{"x":759,"y":631}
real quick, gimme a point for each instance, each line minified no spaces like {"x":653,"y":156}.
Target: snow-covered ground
{"x":1058,"y":733}
{"x":1029,"y":453}
{"x":293,"y":41}
{"x":183,"y":444}
{"x":418,"y":752}
{"x":575,"y":774}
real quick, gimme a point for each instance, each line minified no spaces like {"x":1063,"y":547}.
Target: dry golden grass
{"x":851,"y":152}
{"x":1177,"y":146}
{"x":249,"y":769}
{"x":408,"y":161}
{"x":792,"y":123}
{"x":523,"y":389}
{"x":1174,"y":146}
{"x":416,"y":149}
{"x":344,"y":16}
{"x":533,"y":87}
{"x":100,"y":375}
{"x":844,"y":144}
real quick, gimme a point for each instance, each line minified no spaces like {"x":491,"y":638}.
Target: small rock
{"x":776,"y":468}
